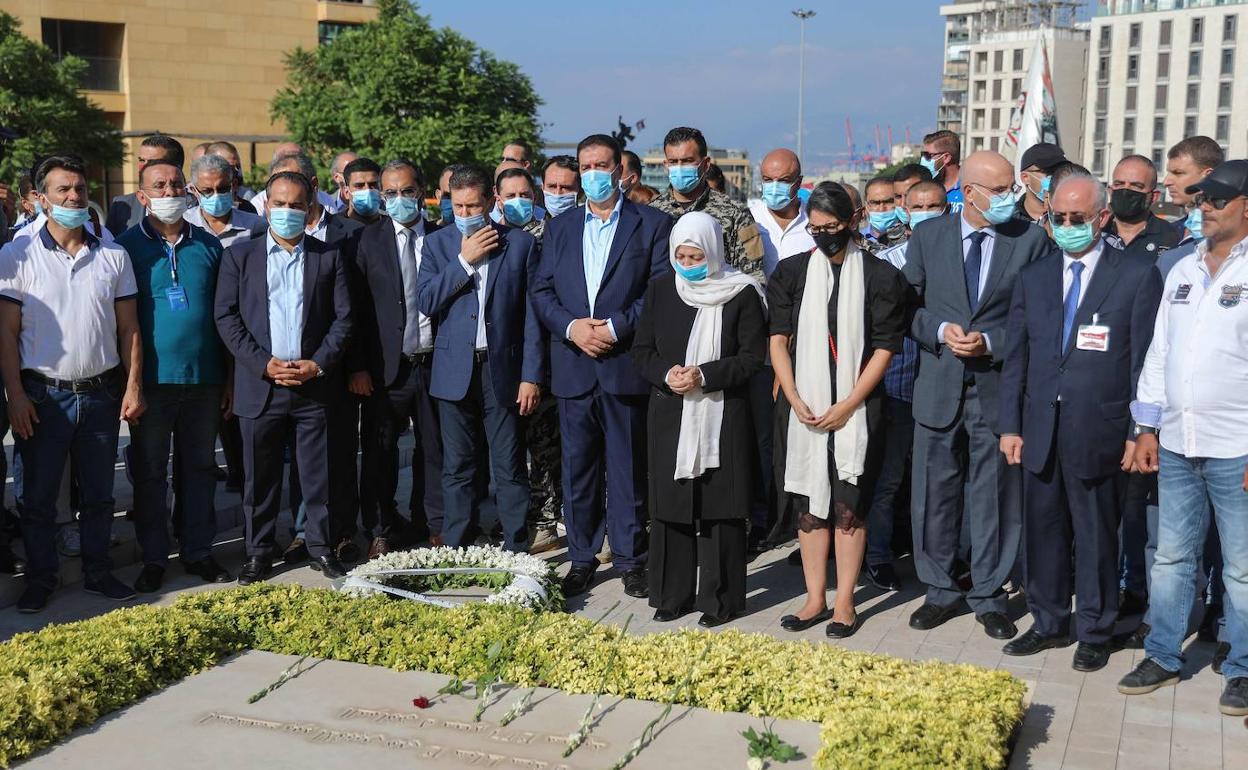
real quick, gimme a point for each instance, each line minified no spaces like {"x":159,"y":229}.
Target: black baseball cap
{"x":1228,"y":180}
{"x":1043,"y":156}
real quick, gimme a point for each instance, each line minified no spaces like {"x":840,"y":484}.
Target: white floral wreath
{"x":407,"y":574}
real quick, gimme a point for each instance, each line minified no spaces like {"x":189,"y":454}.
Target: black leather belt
{"x":419,"y":357}
{"x":84,"y":385}
{"x":480,"y":356}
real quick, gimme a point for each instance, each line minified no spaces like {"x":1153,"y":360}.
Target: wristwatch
{"x":1141,"y":430}
{"x":319,"y":371}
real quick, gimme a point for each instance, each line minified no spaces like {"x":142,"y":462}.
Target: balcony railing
{"x":102,"y":74}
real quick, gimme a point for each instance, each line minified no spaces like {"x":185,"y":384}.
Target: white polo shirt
{"x":1194,"y":386}
{"x":69,"y":322}
{"x":780,"y":242}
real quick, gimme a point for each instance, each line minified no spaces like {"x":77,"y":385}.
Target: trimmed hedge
{"x":876,"y":711}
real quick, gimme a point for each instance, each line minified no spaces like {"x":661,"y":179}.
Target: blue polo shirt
{"x":180,"y":346}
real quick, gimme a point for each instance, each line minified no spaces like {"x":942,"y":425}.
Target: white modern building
{"x":988,"y":49}
{"x":1162,"y":70}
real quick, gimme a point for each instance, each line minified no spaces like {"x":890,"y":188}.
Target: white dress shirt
{"x":780,"y":242}
{"x":1089,"y":261}
{"x":479,"y":272}
{"x":1194,"y":387}
{"x":331,"y":203}
{"x":418,"y":329}
{"x":985,"y":262}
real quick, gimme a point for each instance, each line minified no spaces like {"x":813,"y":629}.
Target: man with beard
{"x":1135,"y":229}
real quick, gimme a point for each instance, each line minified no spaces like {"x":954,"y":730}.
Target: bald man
{"x":341,"y":192}
{"x":963,"y":269}
{"x":1071,"y":432}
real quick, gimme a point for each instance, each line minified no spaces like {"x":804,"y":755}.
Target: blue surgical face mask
{"x":692,"y":274}
{"x":366,"y":202}
{"x":469,"y":225}
{"x":882,"y":220}
{"x":777,"y":195}
{"x":557,"y":204}
{"x":287,"y":223}
{"x":919,"y":217}
{"x":1073,"y":239}
{"x":1045,"y":185}
{"x":684,"y":178}
{"x":597,"y":185}
{"x":518,"y":211}
{"x":902,"y":216}
{"x":38,"y":208}
{"x":216,"y":204}
{"x":1000,"y":208}
{"x":930,"y":165}
{"x":448,"y":211}
{"x":403,"y":210}
{"x":1196,"y":223}
{"x":70,"y":218}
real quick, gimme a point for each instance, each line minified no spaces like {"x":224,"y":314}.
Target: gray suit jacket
{"x":934,"y":267}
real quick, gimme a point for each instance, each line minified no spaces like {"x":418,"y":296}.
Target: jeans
{"x":84,"y":426}
{"x":1183,"y":484}
{"x":192,"y":414}
{"x":898,"y":439}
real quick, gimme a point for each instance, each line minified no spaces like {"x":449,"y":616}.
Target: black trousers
{"x":264,"y":438}
{"x":386,"y":415}
{"x":699,"y":565}
{"x":1062,"y":515}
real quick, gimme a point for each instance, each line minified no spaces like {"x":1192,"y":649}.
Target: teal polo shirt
{"x":180,"y":346}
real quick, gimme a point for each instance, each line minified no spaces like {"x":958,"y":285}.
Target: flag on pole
{"x":1034,"y":119}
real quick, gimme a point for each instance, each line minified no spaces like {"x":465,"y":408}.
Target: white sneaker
{"x":69,"y":540}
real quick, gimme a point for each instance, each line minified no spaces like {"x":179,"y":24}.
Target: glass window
{"x":1198,"y":30}
{"x":1193,"y":95}
{"x":998,"y":60}
{"x":1133,"y":39}
{"x":996,"y":90}
{"x":1102,"y":98}
{"x":1133,"y":67}
{"x":1128,"y":130}
{"x":1224,"y":96}
{"x":981,"y":62}
{"x":1157,"y":153}
{"x":1163,"y":64}
{"x":1098,"y":160}
{"x":1102,"y":69}
{"x":1131,"y":95}
{"x":1159,"y":127}
{"x":1164,"y":37}
{"x":978,"y":120}
{"x":1224,"y":128}
{"x":981,"y":90}
{"x":1098,"y":133}
{"x":1193,"y":64}
{"x":1105,"y":33}
{"x":1162,"y":96}
{"x":98,"y":44}
{"x":1189,"y":125}
{"x":1016,"y":90}
{"x":1228,"y":28}
{"x":1228,"y":61}
{"x":996,"y":117}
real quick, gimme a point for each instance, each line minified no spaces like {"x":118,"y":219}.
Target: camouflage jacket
{"x":536,"y":228}
{"x":743,"y":246}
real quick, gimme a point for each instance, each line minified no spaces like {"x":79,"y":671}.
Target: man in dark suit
{"x":391,"y":363}
{"x":125,"y":211}
{"x":487,"y":356}
{"x":964,"y":268}
{"x":1079,"y":327}
{"x":596,"y":264}
{"x":283,"y":309}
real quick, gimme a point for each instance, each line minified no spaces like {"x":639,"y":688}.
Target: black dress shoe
{"x":1090,"y":656}
{"x":34,"y":598}
{"x":997,"y":625}
{"x":930,"y":615}
{"x":296,"y":552}
{"x":837,"y":630}
{"x":794,"y":623}
{"x":328,"y":565}
{"x":710,"y":621}
{"x":577,"y":581}
{"x":207,"y":569}
{"x":667,"y":616}
{"x":150,"y":579}
{"x":348,"y":551}
{"x":635,"y":583}
{"x":1032,"y":642}
{"x":256,"y":569}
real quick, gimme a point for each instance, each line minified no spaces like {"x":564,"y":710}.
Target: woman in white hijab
{"x":837,"y":317}
{"x":700,"y":337}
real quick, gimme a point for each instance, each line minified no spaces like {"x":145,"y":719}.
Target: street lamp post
{"x":802,"y":16}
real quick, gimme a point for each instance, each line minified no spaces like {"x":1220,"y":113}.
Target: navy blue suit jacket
{"x":379,"y":303}
{"x":242,"y":315}
{"x":447,"y":295}
{"x":638,"y":255}
{"x":1096,"y":386}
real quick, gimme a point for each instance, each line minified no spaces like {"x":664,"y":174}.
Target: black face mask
{"x":1130,"y":206}
{"x":832,"y":243}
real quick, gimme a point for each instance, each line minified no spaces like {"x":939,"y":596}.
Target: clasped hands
{"x":965,"y":344}
{"x":290,"y":374}
{"x":592,"y":336}
{"x":683,"y":379}
{"x":833,"y":419}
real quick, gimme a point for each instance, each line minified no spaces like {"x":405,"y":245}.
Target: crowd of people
{"x":1042,"y":391}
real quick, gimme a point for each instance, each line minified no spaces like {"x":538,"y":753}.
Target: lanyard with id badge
{"x":1092,"y":336}
{"x":175,"y":293}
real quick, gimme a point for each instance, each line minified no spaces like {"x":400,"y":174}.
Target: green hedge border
{"x":876,"y":711}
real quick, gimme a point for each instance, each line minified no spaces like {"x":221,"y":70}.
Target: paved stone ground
{"x":1073,"y":720}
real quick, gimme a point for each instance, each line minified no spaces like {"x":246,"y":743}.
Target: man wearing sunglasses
{"x":942,"y":157}
{"x":1191,"y":410}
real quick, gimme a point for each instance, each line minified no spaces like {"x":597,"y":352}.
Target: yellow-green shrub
{"x":876,"y":711}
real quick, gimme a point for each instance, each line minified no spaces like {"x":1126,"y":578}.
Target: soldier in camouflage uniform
{"x":687,"y":163}
{"x":515,"y":190}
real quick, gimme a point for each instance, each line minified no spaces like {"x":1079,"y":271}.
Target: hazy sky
{"x":727,"y":67}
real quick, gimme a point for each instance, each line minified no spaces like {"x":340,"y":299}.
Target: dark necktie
{"x":974,"y":260}
{"x":1071,"y":306}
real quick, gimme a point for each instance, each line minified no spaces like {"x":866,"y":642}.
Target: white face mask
{"x":168,"y":210}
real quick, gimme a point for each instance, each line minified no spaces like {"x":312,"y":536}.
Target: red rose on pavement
{"x":421,"y":702}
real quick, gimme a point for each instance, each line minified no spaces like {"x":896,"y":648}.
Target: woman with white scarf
{"x":837,"y":317}
{"x":701,"y":336}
